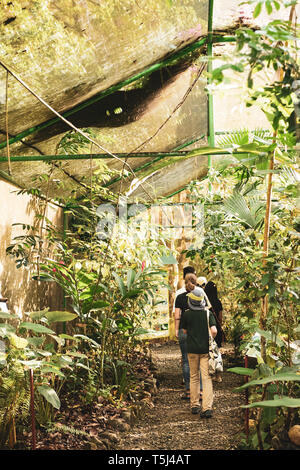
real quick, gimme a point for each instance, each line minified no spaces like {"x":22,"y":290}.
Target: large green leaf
{"x":270,"y":337}
{"x":60,"y":316}
{"x":8,"y":316}
{"x":37,"y":315}
{"x":31,"y":364}
{"x":53,"y":370}
{"x":283,"y":401}
{"x":17,"y":341}
{"x":77,"y":354}
{"x":120,"y":284}
{"x":36,"y":341}
{"x":86,"y":279}
{"x":5,"y":329}
{"x":283,"y":377}
{"x":37,"y":328}
{"x":92,"y":291}
{"x":132,"y":293}
{"x":257,"y":10}
{"x":130,"y":278}
{"x":241,"y":370}
{"x":50,"y":395}
{"x":98,"y":304}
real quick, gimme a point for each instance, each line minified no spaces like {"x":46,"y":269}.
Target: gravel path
{"x":169,"y":425}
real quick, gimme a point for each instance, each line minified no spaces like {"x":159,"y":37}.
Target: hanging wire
{"x":181,"y":102}
{"x":124,"y":162}
{"x":65,"y":120}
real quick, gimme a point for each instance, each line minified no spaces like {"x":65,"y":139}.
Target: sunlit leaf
{"x":277,"y":402}
{"x":36,"y":328}
{"x":50,"y":395}
{"x":60,"y":316}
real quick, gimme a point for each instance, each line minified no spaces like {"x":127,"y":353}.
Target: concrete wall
{"x":23,"y":293}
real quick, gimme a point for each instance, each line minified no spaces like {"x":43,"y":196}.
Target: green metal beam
{"x":176,"y":192}
{"x":87,"y":156}
{"x":153,"y":68}
{"x":95,"y":156}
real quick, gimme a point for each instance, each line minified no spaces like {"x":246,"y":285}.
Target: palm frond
{"x":247,"y":211}
{"x":289,"y":176}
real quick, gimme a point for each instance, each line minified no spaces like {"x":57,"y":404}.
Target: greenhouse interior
{"x":150,"y":229}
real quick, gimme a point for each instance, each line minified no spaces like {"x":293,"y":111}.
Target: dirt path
{"x":169,"y":425}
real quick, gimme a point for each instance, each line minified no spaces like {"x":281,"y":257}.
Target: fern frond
{"x":240,"y":137}
{"x":14,"y":399}
{"x":237,"y":137}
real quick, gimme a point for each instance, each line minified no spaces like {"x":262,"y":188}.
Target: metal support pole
{"x":92,"y":156}
{"x":104,"y":156}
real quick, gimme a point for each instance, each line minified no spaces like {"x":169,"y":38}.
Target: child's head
{"x":196,"y":298}
{"x":190,"y":281}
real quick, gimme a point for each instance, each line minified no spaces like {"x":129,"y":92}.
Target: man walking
{"x":195,"y":324}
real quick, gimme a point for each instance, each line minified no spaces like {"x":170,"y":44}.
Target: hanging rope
{"x":199,"y":73}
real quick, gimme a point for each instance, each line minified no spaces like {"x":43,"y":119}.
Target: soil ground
{"x":169,"y":425}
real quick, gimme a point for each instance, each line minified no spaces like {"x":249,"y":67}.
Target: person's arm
{"x":185,"y":331}
{"x":213,"y":331}
{"x":212,"y":324}
{"x":177,"y":320}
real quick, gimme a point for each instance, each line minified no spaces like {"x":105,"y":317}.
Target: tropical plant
{"x":27,"y":347}
{"x":14,"y":400}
